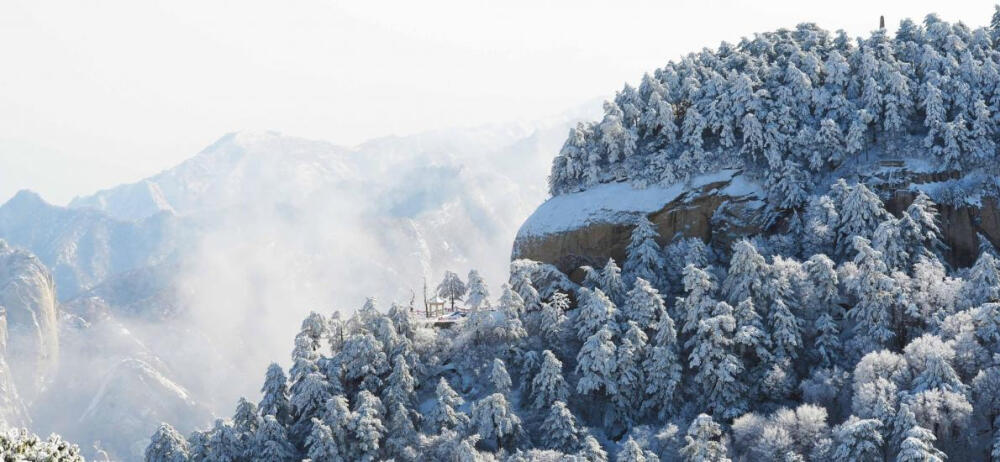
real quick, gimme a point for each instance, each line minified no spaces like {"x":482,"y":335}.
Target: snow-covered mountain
{"x":83,"y":247}
{"x":185,"y":284}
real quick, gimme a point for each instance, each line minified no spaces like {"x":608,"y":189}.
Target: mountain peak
{"x":25,"y":198}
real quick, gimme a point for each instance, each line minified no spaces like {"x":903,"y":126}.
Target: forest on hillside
{"x":844,"y":334}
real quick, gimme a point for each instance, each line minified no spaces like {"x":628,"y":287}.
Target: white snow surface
{"x":620,"y":203}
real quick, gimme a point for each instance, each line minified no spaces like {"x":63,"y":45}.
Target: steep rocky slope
{"x":28,"y":294}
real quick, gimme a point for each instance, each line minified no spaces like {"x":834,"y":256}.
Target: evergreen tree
{"x":591,"y":450}
{"x":747,"y":271}
{"x":499,"y":377}
{"x":643,"y":304}
{"x":643,"y":257}
{"x":401,"y":385}
{"x":307,"y":401}
{"x":876,"y":295}
{"x":245,"y":419}
{"x":443,"y":415}
{"x":553,"y":322}
{"x":919,"y":447}
{"x":629,"y":374}
{"x":367,"y":428}
{"x":548,"y":386}
{"x":337,"y":415}
{"x":401,"y":434}
{"x":858,"y":440}
{"x":166,"y":445}
{"x":717,"y":368}
{"x":320,"y":445}
{"x":596,"y":312}
{"x":596,"y":364}
{"x":983,"y":284}
{"x":271,"y":443}
{"x":703,"y":441}
{"x":785,"y":331}
{"x":698,"y":303}
{"x":363,"y":360}
{"x":828,"y":345}
{"x":478,"y":293}
{"x":559,"y":428}
{"x":495,"y":421}
{"x":612,"y":283}
{"x":451,"y":288}
{"x":860,"y":214}
{"x":275,"y":390}
{"x":632,"y":452}
{"x":663,"y":369}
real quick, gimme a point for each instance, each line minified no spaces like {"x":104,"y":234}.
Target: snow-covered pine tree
{"x":983,"y":284}
{"x":400,"y":385}
{"x":320,"y":445}
{"x":499,"y":377}
{"x":271,"y":443}
{"x":553,"y":322}
{"x":786,"y":331}
{"x":275,"y":390}
{"x":703,"y":441}
{"x":245,"y":418}
{"x":629,"y":374}
{"x":337,"y":415}
{"x":166,"y":445}
{"x":612,"y":283}
{"x":747,"y":271}
{"x":596,"y":311}
{"x":478,"y":293}
{"x":559,"y":429}
{"x":367,"y":428}
{"x":697,"y":302}
{"x":632,"y":452}
{"x":443,"y":414}
{"x":644,"y":258}
{"x":918,"y":445}
{"x":920,"y":231}
{"x":496,"y":422}
{"x":591,"y":450}
{"x":591,"y":277}
{"x":548,"y":386}
{"x":828,"y":346}
{"x":662,"y":369}
{"x":876,"y":294}
{"x":643,"y":304}
{"x":596,"y":364}
{"x":307,"y":401}
{"x":858,"y":440}
{"x":521,"y":283}
{"x":860,"y":214}
{"x":717,"y":367}
{"x":401,"y":437}
{"x":451,"y":288}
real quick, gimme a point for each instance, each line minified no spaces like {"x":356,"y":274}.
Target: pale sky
{"x":97,"y":93}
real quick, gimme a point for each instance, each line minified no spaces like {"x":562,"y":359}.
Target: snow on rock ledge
{"x":588,"y":227}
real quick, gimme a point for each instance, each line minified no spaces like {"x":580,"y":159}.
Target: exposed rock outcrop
{"x":726,"y":206}
{"x":588,"y":227}
{"x":28,"y":294}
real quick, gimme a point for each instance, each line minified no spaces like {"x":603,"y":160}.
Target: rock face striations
{"x":28,"y":295}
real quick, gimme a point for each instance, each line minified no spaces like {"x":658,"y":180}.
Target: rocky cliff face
{"x":586,"y":228}
{"x":28,"y":295}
